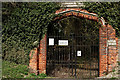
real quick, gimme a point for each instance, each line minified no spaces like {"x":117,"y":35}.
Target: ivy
{"x":25,"y":23}
{"x":109,"y":10}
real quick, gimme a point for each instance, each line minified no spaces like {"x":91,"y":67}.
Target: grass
{"x":113,"y":78}
{"x":13,"y":70}
{"x":119,"y":63}
{"x":113,"y":70}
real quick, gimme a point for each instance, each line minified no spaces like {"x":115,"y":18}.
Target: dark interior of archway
{"x":82,"y":35}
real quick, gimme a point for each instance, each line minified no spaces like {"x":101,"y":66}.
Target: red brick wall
{"x":33,"y":61}
{"x":108,"y":54}
{"x":112,"y":49}
{"x":38,"y":58}
{"x":119,"y":50}
{"x":42,"y":55}
{"x":81,"y":15}
{"x":102,"y":50}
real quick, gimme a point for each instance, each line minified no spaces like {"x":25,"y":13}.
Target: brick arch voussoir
{"x":80,"y":13}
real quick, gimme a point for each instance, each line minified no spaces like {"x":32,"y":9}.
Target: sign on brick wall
{"x":119,"y":49}
{"x":111,"y":42}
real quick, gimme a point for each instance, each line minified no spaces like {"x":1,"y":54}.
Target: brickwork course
{"x":119,"y":55}
{"x":108,"y":53}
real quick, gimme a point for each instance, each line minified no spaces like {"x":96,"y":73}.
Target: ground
{"x":115,"y":74}
{"x":13,"y":70}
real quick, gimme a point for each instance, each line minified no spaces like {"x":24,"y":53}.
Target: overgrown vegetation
{"x":110,"y":11}
{"x":23,"y":25}
{"x":13,"y":70}
{"x":119,"y":63}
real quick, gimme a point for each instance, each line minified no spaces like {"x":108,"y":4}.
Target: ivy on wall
{"x":110,"y":11}
{"x":24,"y":24}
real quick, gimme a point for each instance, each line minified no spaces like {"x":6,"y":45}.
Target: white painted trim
{"x":72,"y":6}
{"x":71,"y":3}
{"x":103,"y":21}
{"x":75,"y":10}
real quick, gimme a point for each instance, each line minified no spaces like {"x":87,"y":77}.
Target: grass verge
{"x":13,"y":70}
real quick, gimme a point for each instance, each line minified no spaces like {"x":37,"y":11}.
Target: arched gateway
{"x":108,"y":44}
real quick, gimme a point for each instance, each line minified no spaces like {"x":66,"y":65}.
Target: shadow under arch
{"x":79,"y":13}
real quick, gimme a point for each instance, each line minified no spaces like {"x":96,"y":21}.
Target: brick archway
{"x":108,"y":43}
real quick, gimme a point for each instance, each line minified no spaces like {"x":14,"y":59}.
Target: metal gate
{"x":72,"y":55}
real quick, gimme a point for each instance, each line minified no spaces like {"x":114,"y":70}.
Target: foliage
{"x":110,"y":11}
{"x":26,"y":23}
{"x":118,"y":62}
{"x":42,"y":75}
{"x":17,"y":56}
{"x":113,"y":78}
{"x":13,"y":70}
{"x":23,"y":24}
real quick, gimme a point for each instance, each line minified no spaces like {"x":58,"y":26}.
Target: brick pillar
{"x":108,"y":51}
{"x":102,"y":50}
{"x":33,"y":61}
{"x":119,"y":55}
{"x":42,"y":55}
{"x":37,"y":62}
{"x":112,"y":49}
{"x":119,"y":50}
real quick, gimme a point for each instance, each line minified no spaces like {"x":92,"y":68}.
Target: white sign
{"x":78,"y":53}
{"x":51,"y":41}
{"x":63,"y":42}
{"x":111,"y":42}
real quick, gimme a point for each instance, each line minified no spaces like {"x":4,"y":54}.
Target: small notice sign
{"x":78,"y":53}
{"x":51,"y":41}
{"x":63,"y":42}
{"x":112,"y":42}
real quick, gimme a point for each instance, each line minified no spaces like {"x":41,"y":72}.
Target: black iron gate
{"x":72,"y":55}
